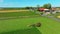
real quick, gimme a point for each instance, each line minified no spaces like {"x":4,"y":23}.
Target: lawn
{"x":19,"y":26}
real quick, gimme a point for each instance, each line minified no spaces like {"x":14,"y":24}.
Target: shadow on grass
{"x":24,"y":31}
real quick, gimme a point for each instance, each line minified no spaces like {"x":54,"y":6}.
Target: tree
{"x":29,"y":7}
{"x":47,"y":6}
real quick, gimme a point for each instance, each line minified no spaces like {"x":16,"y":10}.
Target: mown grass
{"x":48,"y":26}
{"x":32,"y":30}
{"x":19,"y":25}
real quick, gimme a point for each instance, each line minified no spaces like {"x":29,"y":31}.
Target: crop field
{"x":16,"y":14}
{"x":4,"y":11}
{"x":19,"y":25}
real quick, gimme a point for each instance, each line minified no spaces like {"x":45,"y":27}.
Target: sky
{"x":25,"y":3}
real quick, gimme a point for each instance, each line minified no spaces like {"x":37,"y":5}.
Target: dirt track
{"x":52,"y":17}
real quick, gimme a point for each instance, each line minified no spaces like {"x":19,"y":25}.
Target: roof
{"x":41,"y":8}
{"x":46,"y":9}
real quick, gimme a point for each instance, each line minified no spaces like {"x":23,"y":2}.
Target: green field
{"x":16,"y":14}
{"x":19,"y":25}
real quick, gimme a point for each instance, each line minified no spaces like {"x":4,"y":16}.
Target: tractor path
{"x":52,"y":17}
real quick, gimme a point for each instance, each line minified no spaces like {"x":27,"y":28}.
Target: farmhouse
{"x":44,"y":10}
{"x":47,"y":11}
{"x":41,"y":9}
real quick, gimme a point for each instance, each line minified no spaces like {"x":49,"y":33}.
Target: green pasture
{"x":13,"y":26}
{"x":20,"y":25}
{"x":16,"y":14}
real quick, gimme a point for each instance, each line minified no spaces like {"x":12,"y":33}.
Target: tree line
{"x":47,"y":6}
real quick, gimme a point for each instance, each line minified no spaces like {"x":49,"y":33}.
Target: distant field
{"x":17,"y":14}
{"x":3,"y":11}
